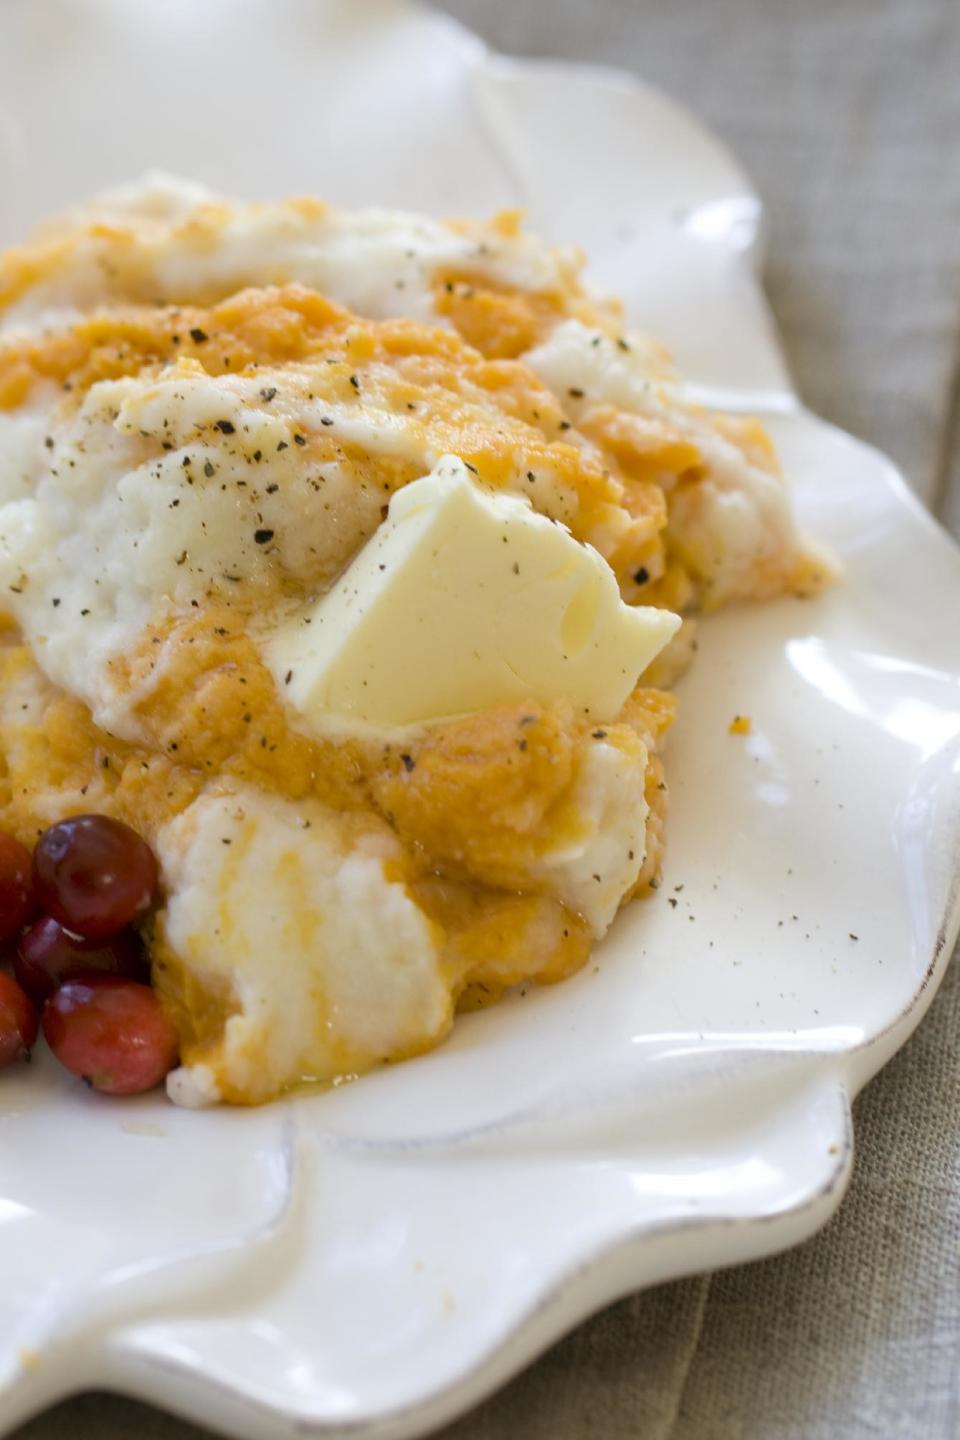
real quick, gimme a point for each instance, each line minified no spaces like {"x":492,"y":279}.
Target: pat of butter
{"x":463,"y":599}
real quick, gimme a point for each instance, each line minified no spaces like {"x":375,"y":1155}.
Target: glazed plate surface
{"x":371,"y":1261}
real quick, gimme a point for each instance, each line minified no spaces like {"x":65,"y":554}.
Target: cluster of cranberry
{"x":67,"y":918}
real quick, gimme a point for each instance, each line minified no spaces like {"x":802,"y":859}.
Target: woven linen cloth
{"x":847,"y":115}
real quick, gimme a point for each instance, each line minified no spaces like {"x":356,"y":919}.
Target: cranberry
{"x":112,"y":1032}
{"x":16,"y":901}
{"x":18,"y":1021}
{"x":48,"y":955}
{"x":94,"y":874}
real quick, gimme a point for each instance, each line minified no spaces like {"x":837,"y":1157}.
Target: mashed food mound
{"x":205,"y":411}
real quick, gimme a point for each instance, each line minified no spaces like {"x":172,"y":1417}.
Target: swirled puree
{"x":344,"y":555}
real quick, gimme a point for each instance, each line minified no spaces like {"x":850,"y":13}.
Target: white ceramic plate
{"x":372,"y":1261}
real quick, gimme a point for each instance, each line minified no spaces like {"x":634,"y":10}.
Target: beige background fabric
{"x":847,"y":114}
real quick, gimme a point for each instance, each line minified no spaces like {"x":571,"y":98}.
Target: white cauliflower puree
{"x":337,"y":551}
